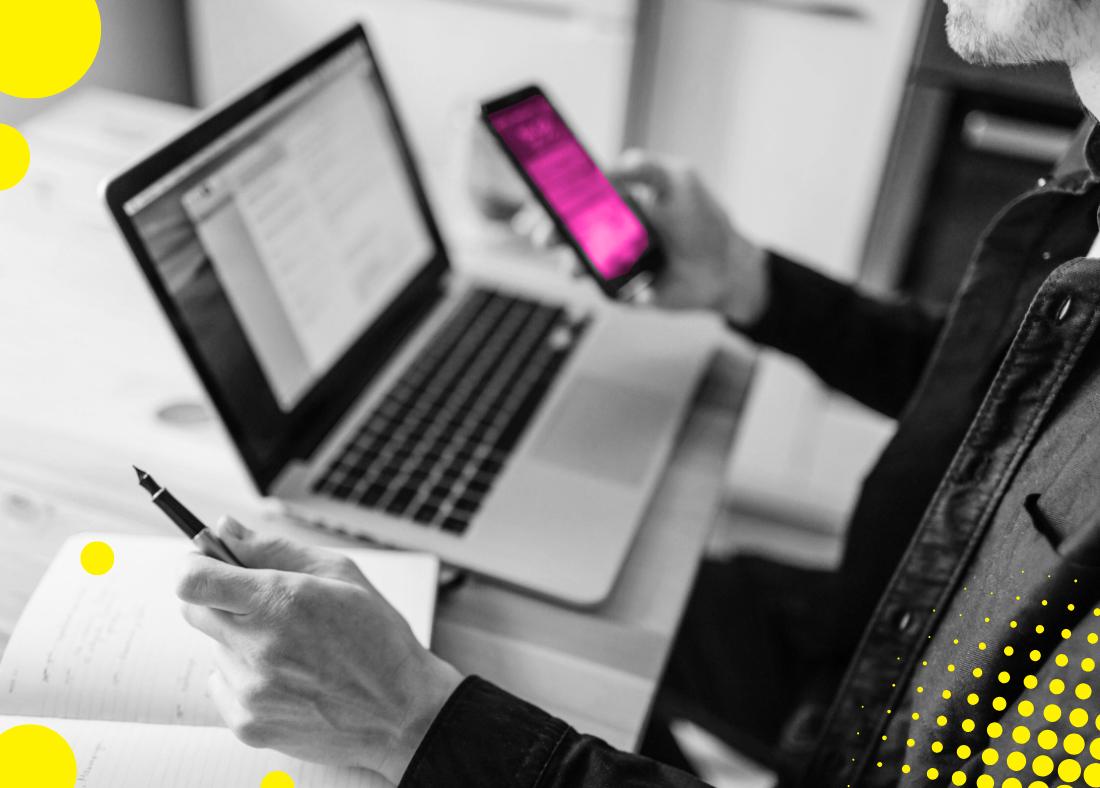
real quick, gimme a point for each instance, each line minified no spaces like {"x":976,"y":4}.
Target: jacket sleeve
{"x":487,"y":738}
{"x":872,"y":349}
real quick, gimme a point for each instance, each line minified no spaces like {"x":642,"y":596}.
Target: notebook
{"x":109,"y":663}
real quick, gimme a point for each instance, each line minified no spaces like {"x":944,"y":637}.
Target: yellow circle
{"x":1035,"y":655}
{"x":1048,"y":739}
{"x":1008,"y":651}
{"x":989,"y":757}
{"x":984,"y":781}
{"x":1052,"y":712}
{"x":1083,"y":691}
{"x":947,"y":694}
{"x":1069,"y":770}
{"x":958,"y":778}
{"x":1087,"y":664}
{"x":1011,"y":782}
{"x":15,"y":156}
{"x":972,"y":699}
{"x":968,"y":725}
{"x":1026,"y":708}
{"x":1020,"y":734}
{"x":1061,"y":660}
{"x":911,"y":742}
{"x":1057,"y":686}
{"x":277,"y":780}
{"x":905,"y":768}
{"x":963,"y":751}
{"x":977,"y":672}
{"x":97,"y":558}
{"x":35,"y":755}
{"x":1031,"y":682}
{"x":1092,"y":637}
{"x":1039,"y":629}
{"x":999,"y":704}
{"x":1074,"y":744}
{"x":937,"y":746}
{"x":1042,"y":765}
{"x":1038,"y":784}
{"x":46,"y":47}
{"x":994,"y":730}
{"x":933,"y":773}
{"x":1016,"y":761}
{"x":1078,"y":718}
{"x":941,"y":720}
{"x":1003,"y":677}
{"x":1094,"y":749}
{"x":1092,"y":775}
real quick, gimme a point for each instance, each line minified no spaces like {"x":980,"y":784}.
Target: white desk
{"x":87,"y":360}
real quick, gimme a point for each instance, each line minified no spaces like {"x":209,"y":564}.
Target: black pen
{"x":206,"y":540}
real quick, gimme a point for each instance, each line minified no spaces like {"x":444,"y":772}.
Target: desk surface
{"x":89,"y":361}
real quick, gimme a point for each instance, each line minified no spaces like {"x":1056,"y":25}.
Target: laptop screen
{"x":279,"y":242}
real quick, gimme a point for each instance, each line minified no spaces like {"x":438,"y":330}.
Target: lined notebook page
{"x":116,"y":647}
{"x":129,"y":755}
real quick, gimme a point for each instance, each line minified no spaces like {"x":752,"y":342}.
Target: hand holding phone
{"x":618,"y":248}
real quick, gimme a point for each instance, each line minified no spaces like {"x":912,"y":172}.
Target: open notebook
{"x":109,"y":663}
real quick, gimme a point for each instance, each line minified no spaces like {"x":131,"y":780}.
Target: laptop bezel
{"x":305,"y":427}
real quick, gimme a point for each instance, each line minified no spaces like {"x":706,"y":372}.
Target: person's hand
{"x":311,"y":660}
{"x":709,"y":264}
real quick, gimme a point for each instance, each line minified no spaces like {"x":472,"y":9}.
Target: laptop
{"x":513,"y":429}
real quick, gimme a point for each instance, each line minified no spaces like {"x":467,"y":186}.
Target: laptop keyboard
{"x":433,"y":447}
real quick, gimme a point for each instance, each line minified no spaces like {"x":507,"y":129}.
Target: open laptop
{"x":518,"y":432}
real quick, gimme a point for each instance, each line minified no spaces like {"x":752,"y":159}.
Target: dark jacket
{"x":973,"y":552}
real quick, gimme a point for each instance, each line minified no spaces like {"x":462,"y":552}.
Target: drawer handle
{"x":1019,"y":139}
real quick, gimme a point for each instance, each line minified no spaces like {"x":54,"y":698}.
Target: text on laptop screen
{"x":579,"y":193}
{"x":285,"y":238}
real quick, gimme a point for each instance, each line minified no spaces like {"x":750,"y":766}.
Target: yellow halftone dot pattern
{"x":46,"y":47}
{"x":33,"y":755}
{"x":15,"y":157}
{"x":277,"y":780}
{"x":97,"y":558}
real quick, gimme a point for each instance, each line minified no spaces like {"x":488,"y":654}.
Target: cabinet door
{"x":440,"y":56}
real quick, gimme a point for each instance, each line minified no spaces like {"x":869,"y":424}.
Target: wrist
{"x":441,"y":682}
{"x":749,"y":294}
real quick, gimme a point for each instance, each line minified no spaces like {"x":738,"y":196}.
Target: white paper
{"x":116,"y":647}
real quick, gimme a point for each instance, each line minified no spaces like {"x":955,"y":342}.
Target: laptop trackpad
{"x":606,"y":429}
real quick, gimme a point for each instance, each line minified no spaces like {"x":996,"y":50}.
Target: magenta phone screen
{"x":586,"y":202}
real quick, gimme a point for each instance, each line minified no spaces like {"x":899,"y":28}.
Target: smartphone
{"x":617,"y":246}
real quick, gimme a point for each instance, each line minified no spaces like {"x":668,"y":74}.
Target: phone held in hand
{"x":619,"y":249}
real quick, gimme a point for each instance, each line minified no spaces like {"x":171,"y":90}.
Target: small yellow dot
{"x":1016,"y":761}
{"x":1052,"y":712}
{"x":1083,"y":691}
{"x":1020,"y":734}
{"x":1003,"y":677}
{"x":1057,"y":686}
{"x":958,"y":778}
{"x":916,"y":716}
{"x":911,"y":742}
{"x":937,"y":746}
{"x":920,"y":689}
{"x":984,"y":781}
{"x":950,"y":668}
{"x":956,"y":639}
{"x":1092,"y":637}
{"x":15,"y":157}
{"x":972,"y":698}
{"x":1094,"y":749}
{"x":994,"y":730}
{"x":1026,"y":708}
{"x":1035,"y":655}
{"x":977,"y":672}
{"x":963,"y":751}
{"x":1044,"y":601}
{"x":277,"y":780}
{"x":1011,"y":782}
{"x":1096,"y":611}
{"x":1069,"y":770}
{"x":932,"y":773}
{"x":1047,"y":739}
{"x":1008,"y":651}
{"x":1088,"y":665}
{"x":981,"y":646}
{"x":1061,"y":660}
{"x":1031,"y":682}
{"x":999,"y":703}
{"x":941,"y":720}
{"x":1012,"y":624}
{"x":905,"y":768}
{"x":1074,"y":744}
{"x":1065,"y":634}
{"x":97,"y":558}
{"x":1039,"y":629}
{"x":1042,"y":765}
{"x":880,"y":764}
{"x":946,"y":693}
{"x":1078,"y":718}
{"x":990,"y":756}
{"x":968,"y":725}
{"x":1070,"y":606}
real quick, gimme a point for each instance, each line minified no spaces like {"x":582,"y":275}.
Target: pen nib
{"x":145,"y":480}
